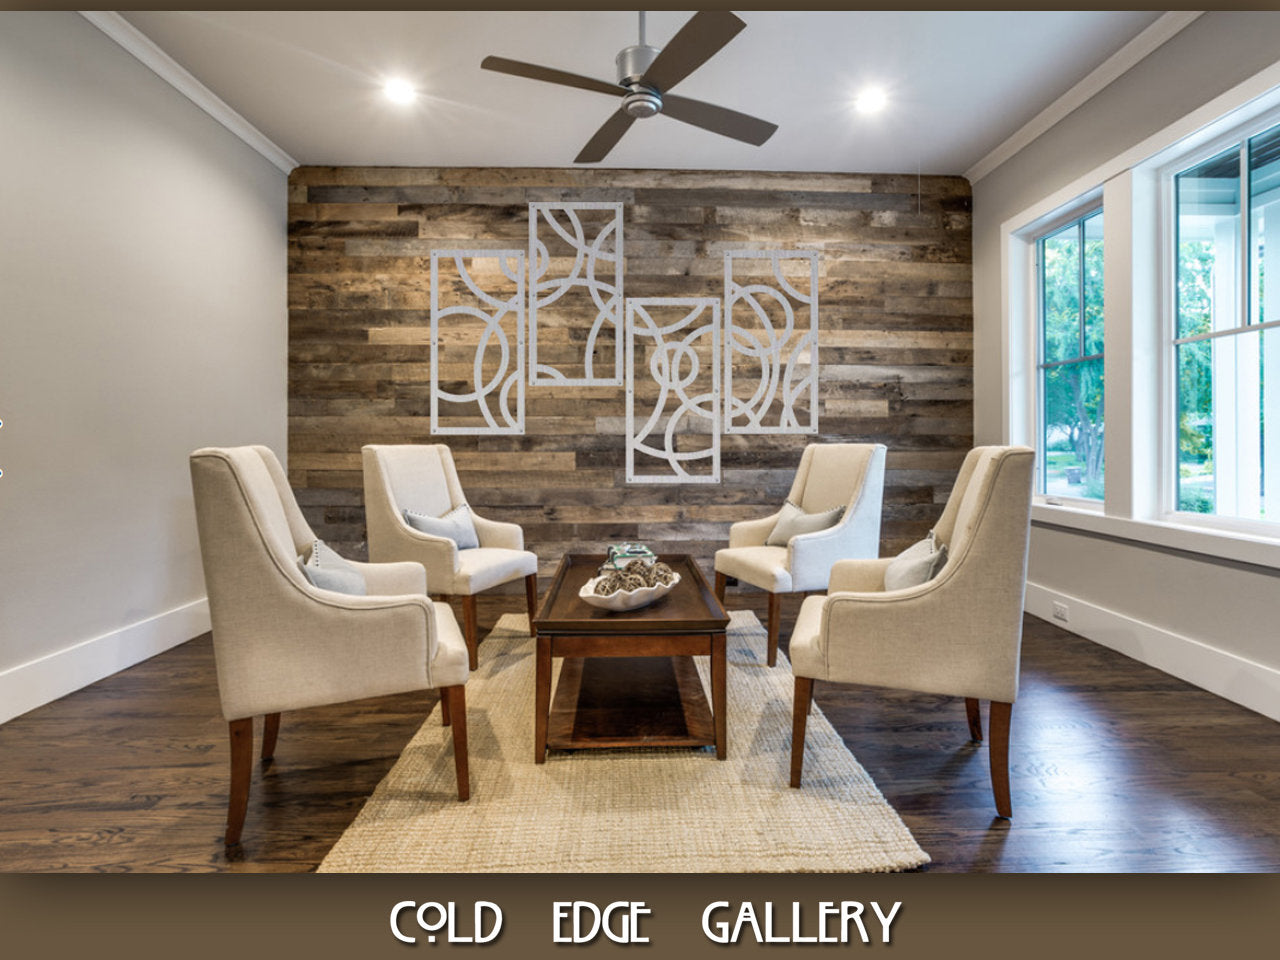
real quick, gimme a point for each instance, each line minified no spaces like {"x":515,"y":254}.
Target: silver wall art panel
{"x":771,"y":341}
{"x":673,"y":390}
{"x":477,"y":341}
{"x":575,"y":277}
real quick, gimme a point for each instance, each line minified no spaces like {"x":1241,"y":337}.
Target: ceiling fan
{"x":646,"y":75}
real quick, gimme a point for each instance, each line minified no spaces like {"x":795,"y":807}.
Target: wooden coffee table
{"x":629,"y":678}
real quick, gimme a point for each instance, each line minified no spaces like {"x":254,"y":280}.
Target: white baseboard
{"x":41,"y":681}
{"x":1235,"y":678}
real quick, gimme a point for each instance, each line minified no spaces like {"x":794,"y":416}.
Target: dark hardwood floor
{"x":1115,"y":767}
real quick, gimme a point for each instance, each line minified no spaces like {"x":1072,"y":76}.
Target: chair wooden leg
{"x":270,"y":730}
{"x":469,"y":628}
{"x":457,"y":697}
{"x":974,"y":713}
{"x":444,"y":710}
{"x":721,"y":582}
{"x":531,"y":597}
{"x":1001,"y":714}
{"x":799,"y":719}
{"x":241,"y":771}
{"x":775,"y":615}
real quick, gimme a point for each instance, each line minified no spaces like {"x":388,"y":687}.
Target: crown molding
{"x":1120,"y":62}
{"x":169,"y":70}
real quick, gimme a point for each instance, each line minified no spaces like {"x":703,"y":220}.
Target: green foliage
{"x":1073,"y":392}
{"x":1195,"y":365}
{"x":1196,"y":501}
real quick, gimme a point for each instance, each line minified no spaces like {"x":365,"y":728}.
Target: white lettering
{"x":481,"y":907}
{"x":433,"y":917}
{"x":619,"y":921}
{"x":395,"y":918}
{"x":766,"y":927}
{"x":851,"y":910}
{"x":826,"y":909}
{"x":885,"y":921}
{"x":746,"y":913}
{"x":796,"y":935}
{"x":720,"y":934}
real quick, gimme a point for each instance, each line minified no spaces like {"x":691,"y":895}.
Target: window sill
{"x":1227,"y":545}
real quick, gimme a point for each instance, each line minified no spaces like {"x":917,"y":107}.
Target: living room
{"x":177,"y":279}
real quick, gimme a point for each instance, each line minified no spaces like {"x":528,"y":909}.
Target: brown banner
{"x":928,"y":915}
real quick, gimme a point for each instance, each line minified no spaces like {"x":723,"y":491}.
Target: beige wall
{"x":1228,"y":608}
{"x":142,"y":314}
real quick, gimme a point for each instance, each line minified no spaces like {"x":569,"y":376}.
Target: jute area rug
{"x":640,"y":810}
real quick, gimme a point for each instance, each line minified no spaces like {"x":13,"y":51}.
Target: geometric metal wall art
{"x":693,"y":367}
{"x":477,"y":357}
{"x":673,"y":363}
{"x":771,"y":341}
{"x":575,"y":274}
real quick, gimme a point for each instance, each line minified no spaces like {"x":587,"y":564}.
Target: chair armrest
{"x":382,"y":579}
{"x":810,"y":556}
{"x":397,"y":541}
{"x":309,"y":647}
{"x":495,"y":533}
{"x":936,"y":638}
{"x":752,"y":533}
{"x":864,"y":576}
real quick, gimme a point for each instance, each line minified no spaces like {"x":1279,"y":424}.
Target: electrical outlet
{"x":1060,"y":611}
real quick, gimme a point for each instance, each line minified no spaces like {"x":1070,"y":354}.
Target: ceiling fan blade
{"x":721,"y":120}
{"x":695,"y":43}
{"x":532,"y":71}
{"x":606,"y":137}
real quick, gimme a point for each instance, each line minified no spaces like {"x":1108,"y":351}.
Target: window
{"x":1192,"y":378}
{"x":1069,"y":275}
{"x":1227,"y":332}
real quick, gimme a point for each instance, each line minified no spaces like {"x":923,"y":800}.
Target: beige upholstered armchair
{"x":958,"y":634}
{"x":422,"y":479}
{"x":281,"y":643}
{"x":830,"y":476}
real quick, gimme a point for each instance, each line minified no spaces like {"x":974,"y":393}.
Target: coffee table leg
{"x":718,"y":693}
{"x":542,"y":698}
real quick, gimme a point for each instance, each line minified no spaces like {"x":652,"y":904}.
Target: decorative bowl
{"x":626,"y":599}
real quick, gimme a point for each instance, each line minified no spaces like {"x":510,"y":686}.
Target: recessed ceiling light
{"x":399,"y":91}
{"x":871,"y":100}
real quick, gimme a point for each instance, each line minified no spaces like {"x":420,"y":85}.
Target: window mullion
{"x":1243,"y":304}
{"x":1080,"y":286}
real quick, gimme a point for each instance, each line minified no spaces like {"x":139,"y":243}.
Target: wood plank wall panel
{"x":895,"y":344}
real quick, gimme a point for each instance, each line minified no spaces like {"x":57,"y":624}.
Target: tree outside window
{"x":1069,"y":264}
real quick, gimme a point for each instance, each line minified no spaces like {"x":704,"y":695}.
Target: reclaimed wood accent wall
{"x":895,"y":344}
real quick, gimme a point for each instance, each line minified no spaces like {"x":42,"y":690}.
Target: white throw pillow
{"x":917,"y":564}
{"x":792,"y":521}
{"x":456,"y":525}
{"x":327,"y":570}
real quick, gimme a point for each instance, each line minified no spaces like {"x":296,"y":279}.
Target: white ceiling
{"x":960,"y":83}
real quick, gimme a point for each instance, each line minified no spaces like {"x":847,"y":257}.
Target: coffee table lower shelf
{"x":605,"y":702}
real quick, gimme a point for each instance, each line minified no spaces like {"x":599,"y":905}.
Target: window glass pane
{"x":1060,"y":293}
{"x":1073,"y":421}
{"x":1195,"y":427}
{"x":1264,"y":225}
{"x":1227,"y":463}
{"x":1208,"y":199}
{"x":1092,"y":264}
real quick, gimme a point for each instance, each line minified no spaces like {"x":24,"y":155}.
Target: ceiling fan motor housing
{"x":643,"y":101}
{"x":633,"y":61}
